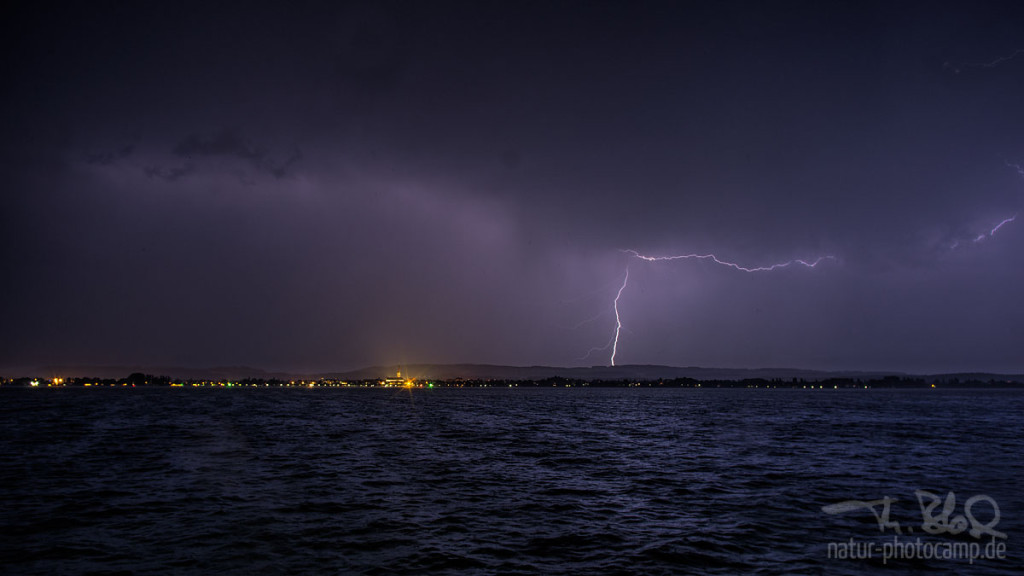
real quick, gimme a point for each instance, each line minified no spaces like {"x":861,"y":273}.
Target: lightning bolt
{"x":999,"y":60}
{"x":986,"y":235}
{"x":1000,"y":225}
{"x":618,"y":319}
{"x":717,"y":260}
{"x":614,"y":342}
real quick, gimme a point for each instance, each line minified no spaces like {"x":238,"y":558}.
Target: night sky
{"x":330,"y":186}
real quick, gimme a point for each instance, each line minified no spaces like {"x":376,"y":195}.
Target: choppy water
{"x":494,"y":481}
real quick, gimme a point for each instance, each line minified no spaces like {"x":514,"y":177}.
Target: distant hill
{"x":637,"y":372}
{"x":634,"y":372}
{"x":178,"y":372}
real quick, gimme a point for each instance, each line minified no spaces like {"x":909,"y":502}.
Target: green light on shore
{"x":430,"y":385}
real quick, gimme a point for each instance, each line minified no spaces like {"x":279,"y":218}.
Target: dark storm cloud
{"x":110,"y":156}
{"x":456,"y":182}
{"x":171,"y":174}
{"x":230,"y":144}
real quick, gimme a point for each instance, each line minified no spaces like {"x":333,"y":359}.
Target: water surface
{"x":495,"y":481}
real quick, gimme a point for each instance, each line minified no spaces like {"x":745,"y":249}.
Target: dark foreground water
{"x":508,"y":481}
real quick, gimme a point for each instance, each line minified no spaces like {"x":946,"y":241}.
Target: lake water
{"x":509,"y":481}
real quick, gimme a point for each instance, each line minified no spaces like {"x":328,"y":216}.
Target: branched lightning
{"x":614,"y":342}
{"x":716,"y":260}
{"x":597,"y":349}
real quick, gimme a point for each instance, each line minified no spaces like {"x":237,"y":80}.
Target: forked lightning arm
{"x":618,"y":319}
